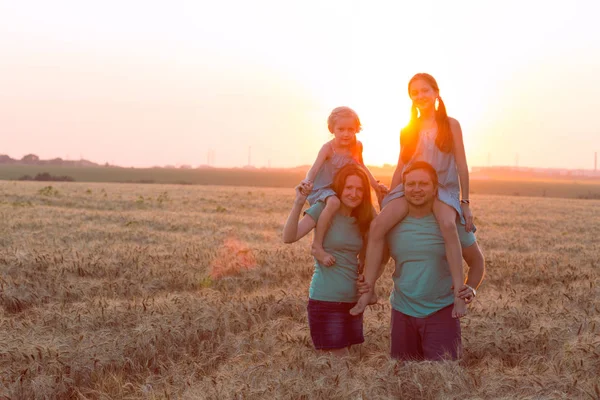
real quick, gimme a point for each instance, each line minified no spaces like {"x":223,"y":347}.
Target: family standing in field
{"x":425,"y":225}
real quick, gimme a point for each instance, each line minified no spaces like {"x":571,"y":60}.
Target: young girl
{"x":433,"y":137}
{"x":344,"y":149}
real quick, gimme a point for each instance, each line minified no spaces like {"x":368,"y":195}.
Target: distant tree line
{"x":46,"y":177}
{"x":32,"y":159}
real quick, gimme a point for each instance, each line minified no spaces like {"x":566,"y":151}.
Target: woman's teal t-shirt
{"x":343,"y":241}
{"x":422,"y":280}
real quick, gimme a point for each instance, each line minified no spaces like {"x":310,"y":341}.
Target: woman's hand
{"x":468,"y":215}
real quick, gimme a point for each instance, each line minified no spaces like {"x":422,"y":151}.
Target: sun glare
{"x":382,"y":120}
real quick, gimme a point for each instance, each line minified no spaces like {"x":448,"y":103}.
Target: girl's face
{"x":352,"y":194}
{"x":344,"y":131}
{"x":423,"y":95}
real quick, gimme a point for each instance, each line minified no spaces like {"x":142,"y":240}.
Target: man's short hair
{"x":425,"y":166}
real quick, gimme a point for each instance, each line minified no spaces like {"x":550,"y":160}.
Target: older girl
{"x":435,"y":138}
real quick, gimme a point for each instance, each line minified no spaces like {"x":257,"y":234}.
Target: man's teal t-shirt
{"x":422,"y":280}
{"x":343,"y":241}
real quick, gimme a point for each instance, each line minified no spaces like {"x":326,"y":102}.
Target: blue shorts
{"x":332,"y":326}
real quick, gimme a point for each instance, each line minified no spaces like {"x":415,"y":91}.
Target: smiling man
{"x":422,"y":297}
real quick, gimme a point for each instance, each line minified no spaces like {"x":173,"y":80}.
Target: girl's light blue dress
{"x":323,"y":181}
{"x":444,"y":164}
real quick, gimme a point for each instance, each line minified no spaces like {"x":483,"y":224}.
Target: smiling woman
{"x":333,"y":290}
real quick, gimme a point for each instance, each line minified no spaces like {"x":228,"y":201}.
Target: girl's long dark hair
{"x":364,"y":212}
{"x":409,"y":136}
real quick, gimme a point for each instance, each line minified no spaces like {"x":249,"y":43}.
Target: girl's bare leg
{"x":332,"y":205}
{"x":446,"y":218}
{"x":392,"y":213}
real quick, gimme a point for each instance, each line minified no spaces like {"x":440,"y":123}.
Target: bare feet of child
{"x":322,"y":256}
{"x":460,"y":308}
{"x":373,"y":299}
{"x":363,"y":301}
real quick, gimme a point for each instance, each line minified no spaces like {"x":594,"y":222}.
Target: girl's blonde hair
{"x":343,"y":112}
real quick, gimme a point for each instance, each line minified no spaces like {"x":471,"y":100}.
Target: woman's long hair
{"x":409,"y":136}
{"x":364,"y":211}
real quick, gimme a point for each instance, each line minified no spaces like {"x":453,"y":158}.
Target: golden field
{"x":129,"y":291}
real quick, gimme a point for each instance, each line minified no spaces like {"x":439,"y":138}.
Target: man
{"x":422,"y":298}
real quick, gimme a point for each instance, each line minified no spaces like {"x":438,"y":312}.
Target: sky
{"x":228,"y":83}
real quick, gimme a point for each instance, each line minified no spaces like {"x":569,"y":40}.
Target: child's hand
{"x":468,"y":216}
{"x":380,"y":191}
{"x":302,"y":191}
{"x":383,"y":189}
{"x":307,"y":185}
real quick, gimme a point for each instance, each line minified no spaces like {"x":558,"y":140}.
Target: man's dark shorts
{"x":435,"y":337}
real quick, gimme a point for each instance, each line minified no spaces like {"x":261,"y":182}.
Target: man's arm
{"x":365,"y":284}
{"x":476,"y":262}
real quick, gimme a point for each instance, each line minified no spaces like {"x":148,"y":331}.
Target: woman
{"x":332,"y":290}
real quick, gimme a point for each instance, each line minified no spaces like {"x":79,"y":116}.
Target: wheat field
{"x":128,"y":291}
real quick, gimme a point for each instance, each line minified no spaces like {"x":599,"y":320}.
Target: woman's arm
{"x":294,"y":230}
{"x":323,"y":155}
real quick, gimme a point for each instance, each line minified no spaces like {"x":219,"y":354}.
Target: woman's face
{"x":423,"y":95}
{"x":353,"y":192}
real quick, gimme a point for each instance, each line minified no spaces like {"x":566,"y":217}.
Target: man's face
{"x":418,"y":188}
